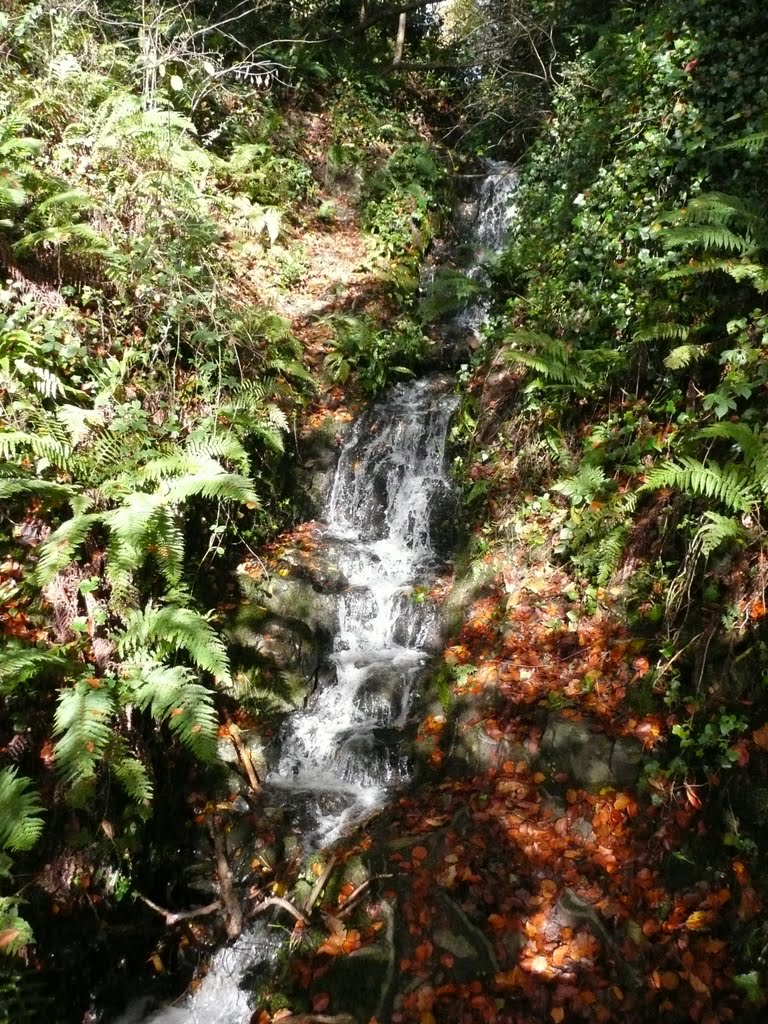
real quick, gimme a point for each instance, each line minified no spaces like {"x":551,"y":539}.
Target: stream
{"x":390,"y":525}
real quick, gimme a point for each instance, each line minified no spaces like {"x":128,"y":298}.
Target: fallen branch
{"x":244,"y":755}
{"x":229,"y":900}
{"x":175,"y":916}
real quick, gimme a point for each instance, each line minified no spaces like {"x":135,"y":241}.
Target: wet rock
{"x":445,"y":522}
{"x":297,"y":599}
{"x":381,"y":693}
{"x":273,"y":654}
{"x":319,"y":453}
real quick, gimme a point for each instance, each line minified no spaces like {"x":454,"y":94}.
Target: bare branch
{"x":175,"y":916}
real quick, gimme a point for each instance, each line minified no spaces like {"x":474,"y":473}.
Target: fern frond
{"x":170,"y":694}
{"x":16,"y":932}
{"x":707,"y":237}
{"x":753,"y":143}
{"x":79,"y":422}
{"x":13,"y":443}
{"x":87,"y":236}
{"x":83,"y":722}
{"x":725,"y":484}
{"x":20,"y":826}
{"x":59,"y":549}
{"x":291,"y":368}
{"x":755,"y":273}
{"x":584,"y":485}
{"x":214,"y":484}
{"x":131,"y":773}
{"x":270,"y":437}
{"x":72,"y":198}
{"x":684,"y":355}
{"x":718,"y":530}
{"x":546,"y":367}
{"x":131,"y":526}
{"x":53,"y":492}
{"x":229,"y":448}
{"x":554,"y":348}
{"x":666,"y":331}
{"x":173,"y":628}
{"x":20,"y":663}
{"x":611,"y":548}
{"x":747,"y":438}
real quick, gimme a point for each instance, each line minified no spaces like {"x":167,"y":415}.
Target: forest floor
{"x":519,"y":894}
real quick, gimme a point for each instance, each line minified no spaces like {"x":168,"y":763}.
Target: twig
{"x":279,"y":901}
{"x":175,"y":916}
{"x":319,"y":885}
{"x":357,"y":894}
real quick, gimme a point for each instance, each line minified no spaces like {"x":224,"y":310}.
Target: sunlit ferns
{"x":20,"y":828}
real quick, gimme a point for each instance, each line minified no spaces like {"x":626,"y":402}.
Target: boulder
{"x":590,"y":758}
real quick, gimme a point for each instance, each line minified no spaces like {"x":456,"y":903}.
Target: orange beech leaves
{"x":520,"y":897}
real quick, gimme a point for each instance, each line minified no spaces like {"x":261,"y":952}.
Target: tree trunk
{"x":400,"y":42}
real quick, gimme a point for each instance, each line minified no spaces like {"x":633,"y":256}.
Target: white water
{"x":387,"y":513}
{"x":486,"y":219}
{"x":339,"y":756}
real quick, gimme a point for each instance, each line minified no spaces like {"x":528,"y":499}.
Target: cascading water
{"x":388,"y":524}
{"x":340,"y":753}
{"x":484,"y":219}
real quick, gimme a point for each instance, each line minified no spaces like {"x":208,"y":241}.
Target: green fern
{"x":683,"y":355}
{"x":60,"y":548}
{"x":16,"y":933}
{"x":173,"y":628}
{"x":84,"y":722}
{"x":171,"y":695}
{"x":754,"y":273}
{"x":550,"y":357}
{"x":706,"y":237}
{"x":724,"y":484}
{"x":53,"y":492}
{"x":610,"y":550}
{"x":20,"y":824}
{"x":14,"y":444}
{"x":752,"y":444}
{"x":584,"y":486}
{"x":718,"y":530}
{"x":131,"y":773}
{"x":663,"y":331}
{"x":20,"y":663}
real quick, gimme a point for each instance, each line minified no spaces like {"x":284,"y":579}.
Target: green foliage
{"x":20,"y":824}
{"x":83,"y":723}
{"x":724,"y":484}
{"x":176,"y":629}
{"x":171,"y":695}
{"x":375,"y":357}
{"x":20,"y":828}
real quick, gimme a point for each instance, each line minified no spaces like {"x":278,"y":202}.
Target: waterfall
{"x":484,"y":219}
{"x":390,"y":496}
{"x":389,"y":522}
